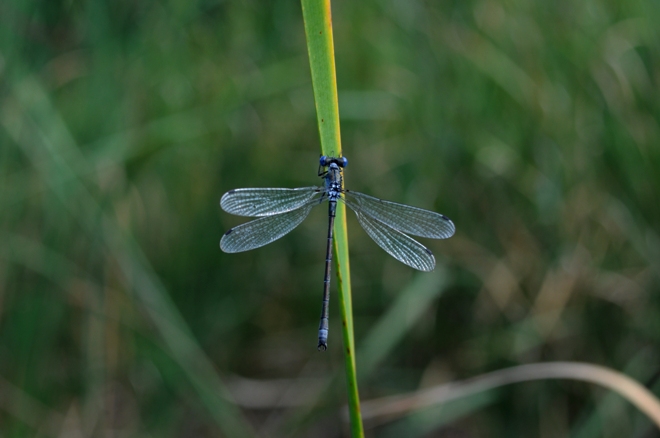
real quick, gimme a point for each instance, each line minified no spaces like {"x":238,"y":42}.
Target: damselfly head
{"x":326,"y":161}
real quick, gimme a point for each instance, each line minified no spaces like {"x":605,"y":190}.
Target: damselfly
{"x":281,"y":210}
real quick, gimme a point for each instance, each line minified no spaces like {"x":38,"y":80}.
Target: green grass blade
{"x":318,"y":29}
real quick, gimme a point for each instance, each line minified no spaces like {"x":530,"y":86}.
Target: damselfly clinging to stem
{"x":281,"y":210}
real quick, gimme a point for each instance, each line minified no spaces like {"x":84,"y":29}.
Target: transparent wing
{"x":403,"y":248}
{"x":264,"y":230}
{"x":266,"y":202}
{"x":411,"y":220}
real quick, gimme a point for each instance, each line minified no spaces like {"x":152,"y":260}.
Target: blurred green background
{"x":533,"y":125}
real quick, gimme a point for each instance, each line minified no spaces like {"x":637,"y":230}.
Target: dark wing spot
{"x":231,"y":191}
{"x":428,"y":251}
{"x":229,"y":231}
{"x":444,"y":217}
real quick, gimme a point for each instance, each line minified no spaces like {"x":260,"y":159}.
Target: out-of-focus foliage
{"x":533,"y":125}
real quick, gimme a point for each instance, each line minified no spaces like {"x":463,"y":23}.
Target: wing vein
{"x":262,"y":231}
{"x":400,"y":246}
{"x":267,"y":202}
{"x":404,"y":218}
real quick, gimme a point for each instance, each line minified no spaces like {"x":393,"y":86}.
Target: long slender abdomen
{"x":324,"y":323}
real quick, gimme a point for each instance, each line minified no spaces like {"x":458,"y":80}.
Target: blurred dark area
{"x":534,"y":126}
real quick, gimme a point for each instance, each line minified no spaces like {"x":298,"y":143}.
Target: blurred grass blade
{"x":36,"y":126}
{"x":626,"y":387}
{"x":318,"y":30}
{"x":410,"y":304}
{"x":423,"y":422}
{"x":30,"y":410}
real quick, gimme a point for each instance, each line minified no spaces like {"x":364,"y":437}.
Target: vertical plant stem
{"x":318,"y":29}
